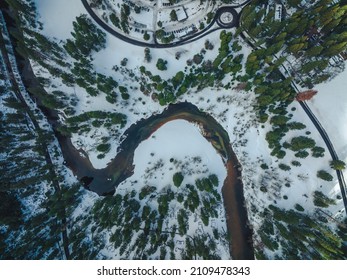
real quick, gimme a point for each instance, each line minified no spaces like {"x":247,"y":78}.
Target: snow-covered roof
{"x":278,"y":12}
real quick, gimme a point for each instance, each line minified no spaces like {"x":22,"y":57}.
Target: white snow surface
{"x":178,"y":139}
{"x":330,"y":107}
{"x":57,"y":16}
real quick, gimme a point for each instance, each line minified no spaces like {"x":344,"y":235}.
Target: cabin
{"x":278,"y":12}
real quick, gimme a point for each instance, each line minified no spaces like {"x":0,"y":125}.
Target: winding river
{"x":104,"y":181}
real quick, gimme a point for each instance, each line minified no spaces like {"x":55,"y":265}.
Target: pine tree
{"x":338,"y":164}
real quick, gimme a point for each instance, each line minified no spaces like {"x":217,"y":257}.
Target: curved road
{"x":317,"y":124}
{"x":326,"y":139}
{"x":330,"y":147}
{"x":195,"y":37}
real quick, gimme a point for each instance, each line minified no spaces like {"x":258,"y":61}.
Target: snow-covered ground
{"x":58,"y":16}
{"x":178,"y":146}
{"x":330,"y":107}
{"x":178,"y":140}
